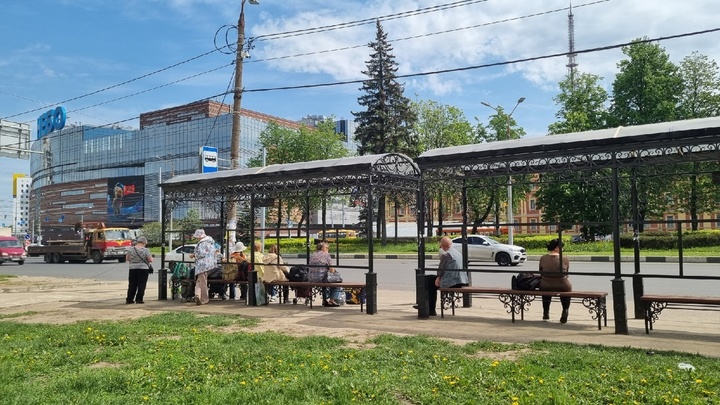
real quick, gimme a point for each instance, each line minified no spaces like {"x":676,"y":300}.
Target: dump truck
{"x":95,"y":242}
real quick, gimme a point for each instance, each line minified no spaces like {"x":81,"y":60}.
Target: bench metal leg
{"x":597,"y":308}
{"x":652,"y":312}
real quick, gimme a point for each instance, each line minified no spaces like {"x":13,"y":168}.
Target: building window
{"x":533,"y":224}
{"x":670,"y":223}
{"x":532,"y":205}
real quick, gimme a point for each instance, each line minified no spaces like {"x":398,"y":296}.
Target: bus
{"x":332,"y":234}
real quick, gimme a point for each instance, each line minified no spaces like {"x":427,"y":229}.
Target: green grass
{"x":6,"y":277}
{"x":183,"y":358}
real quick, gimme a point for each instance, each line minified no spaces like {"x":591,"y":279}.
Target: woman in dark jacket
{"x":139,"y":259}
{"x":554,"y":278}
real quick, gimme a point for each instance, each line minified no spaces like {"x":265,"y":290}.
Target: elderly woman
{"x":319,"y":265}
{"x":205,"y":260}
{"x":275,"y":269}
{"x":139,"y":259}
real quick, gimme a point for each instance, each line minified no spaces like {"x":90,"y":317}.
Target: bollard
{"x":421,"y":295}
{"x":162,"y":283}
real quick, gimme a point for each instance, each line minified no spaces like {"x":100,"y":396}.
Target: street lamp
{"x":510,"y":217}
{"x":240,"y":54}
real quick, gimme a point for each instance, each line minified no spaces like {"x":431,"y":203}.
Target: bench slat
{"x":497,"y":290}
{"x":680,"y":299}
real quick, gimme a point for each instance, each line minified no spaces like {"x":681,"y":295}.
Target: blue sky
{"x":60,"y":50}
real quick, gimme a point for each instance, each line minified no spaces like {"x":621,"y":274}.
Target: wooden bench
{"x":654,"y":305}
{"x":518,"y":301}
{"x":315,"y":288}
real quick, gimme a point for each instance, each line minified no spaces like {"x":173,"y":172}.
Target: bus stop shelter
{"x":620,"y":156}
{"x":363,"y":179}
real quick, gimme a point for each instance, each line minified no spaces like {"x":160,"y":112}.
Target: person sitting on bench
{"x":447,"y":276}
{"x":554,"y":278}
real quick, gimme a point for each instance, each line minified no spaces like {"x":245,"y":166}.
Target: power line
{"x":495,"y":64}
{"x":432,"y":33}
{"x":474,"y":67}
{"x":115,"y":85}
{"x":365,"y":21}
{"x":266,"y":37}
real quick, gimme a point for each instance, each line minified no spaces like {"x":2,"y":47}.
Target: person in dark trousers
{"x":448,"y":275}
{"x":554,"y":278}
{"x":139,"y":259}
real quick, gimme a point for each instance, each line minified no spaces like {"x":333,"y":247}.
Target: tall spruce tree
{"x":385,"y":125}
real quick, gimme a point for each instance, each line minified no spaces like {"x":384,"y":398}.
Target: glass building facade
{"x":110,"y":175}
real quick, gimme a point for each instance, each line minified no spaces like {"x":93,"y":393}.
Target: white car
{"x":179,"y":254}
{"x":484,"y":248}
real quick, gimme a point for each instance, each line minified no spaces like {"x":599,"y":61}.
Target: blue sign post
{"x":208,"y":159}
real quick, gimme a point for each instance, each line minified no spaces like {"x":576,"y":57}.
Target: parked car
{"x":484,"y":248}
{"x":11,"y":250}
{"x":179,"y":254}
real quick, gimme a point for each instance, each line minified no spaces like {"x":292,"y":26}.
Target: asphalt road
{"x":399,"y":274}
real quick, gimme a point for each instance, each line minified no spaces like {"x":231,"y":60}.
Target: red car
{"x":11,"y":250}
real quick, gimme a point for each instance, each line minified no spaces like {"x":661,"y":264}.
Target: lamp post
{"x":240,"y":54}
{"x":510,"y":217}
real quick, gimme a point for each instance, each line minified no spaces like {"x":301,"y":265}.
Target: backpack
{"x":297,"y":273}
{"x":526,"y":281}
{"x":355,"y":296}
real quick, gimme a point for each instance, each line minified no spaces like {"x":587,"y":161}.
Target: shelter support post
{"x":467,"y":298}
{"x":371,"y":293}
{"x":251,"y":296}
{"x":638,"y":288}
{"x":370,"y":276}
{"x":618,"y":284}
{"x":162,"y":273}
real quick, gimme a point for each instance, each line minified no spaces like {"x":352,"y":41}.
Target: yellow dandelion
{"x":242,"y":383}
{"x":698,"y":381}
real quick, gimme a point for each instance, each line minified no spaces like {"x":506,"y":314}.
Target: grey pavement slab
{"x":676,"y":330}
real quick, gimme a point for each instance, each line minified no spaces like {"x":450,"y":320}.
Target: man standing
{"x":449,"y":274}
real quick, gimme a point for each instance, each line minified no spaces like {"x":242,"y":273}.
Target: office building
{"x":111,"y":174}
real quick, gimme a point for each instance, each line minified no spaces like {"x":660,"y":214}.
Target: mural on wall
{"x":125,"y":200}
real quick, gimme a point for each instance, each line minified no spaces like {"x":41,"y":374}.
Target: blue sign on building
{"x":53,"y":120}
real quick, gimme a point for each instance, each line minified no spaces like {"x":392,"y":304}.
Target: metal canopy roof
{"x":661,"y":139}
{"x":299,"y":175}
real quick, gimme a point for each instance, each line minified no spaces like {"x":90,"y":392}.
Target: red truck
{"x":95,"y":241}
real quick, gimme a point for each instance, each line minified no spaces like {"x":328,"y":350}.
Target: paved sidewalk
{"x":677,"y":330}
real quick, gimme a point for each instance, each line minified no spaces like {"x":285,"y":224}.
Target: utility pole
{"x":510,"y":214}
{"x":240,"y":54}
